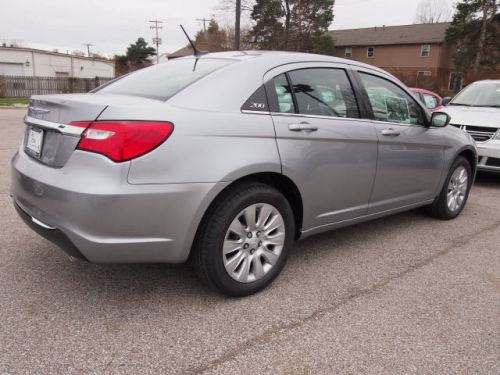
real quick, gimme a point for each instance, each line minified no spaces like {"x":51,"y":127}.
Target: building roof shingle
{"x":186,"y":51}
{"x":387,"y":35}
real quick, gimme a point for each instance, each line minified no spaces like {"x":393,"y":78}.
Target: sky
{"x":111,"y":25}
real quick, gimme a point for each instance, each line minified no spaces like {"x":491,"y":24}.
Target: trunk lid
{"x":50,"y":138}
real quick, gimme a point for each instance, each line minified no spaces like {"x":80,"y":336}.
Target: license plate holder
{"x":34,"y":142}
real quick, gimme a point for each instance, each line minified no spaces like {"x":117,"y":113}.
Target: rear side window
{"x":283,"y":94}
{"x":164,"y":80}
{"x":324,"y":92}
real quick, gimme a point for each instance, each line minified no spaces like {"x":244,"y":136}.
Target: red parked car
{"x":431,"y":100}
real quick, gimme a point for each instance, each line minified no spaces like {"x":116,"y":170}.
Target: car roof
{"x":423,"y":91}
{"x":486,"y":81}
{"x":276,"y":58}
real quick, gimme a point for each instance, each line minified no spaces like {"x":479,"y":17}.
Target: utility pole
{"x":204,"y":20}
{"x":237,"y":25}
{"x":156,"y":25}
{"x":88,"y":48}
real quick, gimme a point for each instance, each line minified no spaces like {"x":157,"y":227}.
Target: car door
{"x":410,"y":153}
{"x":324,"y":147}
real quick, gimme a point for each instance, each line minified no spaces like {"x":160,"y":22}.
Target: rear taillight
{"x":123,"y":140}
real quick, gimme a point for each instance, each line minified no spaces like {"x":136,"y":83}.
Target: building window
{"x":370,"y":52}
{"x":348,"y":52}
{"x":425,"y":50}
{"x":455,"y":83}
{"x":425,"y":73}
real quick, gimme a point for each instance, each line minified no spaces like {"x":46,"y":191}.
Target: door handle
{"x":302,"y":127}
{"x":391,"y":132}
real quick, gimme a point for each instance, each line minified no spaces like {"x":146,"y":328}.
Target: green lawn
{"x":12,"y":101}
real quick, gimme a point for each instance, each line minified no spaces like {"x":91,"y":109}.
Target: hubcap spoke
{"x":271,"y":257}
{"x":257,"y":268}
{"x":237,"y":228}
{"x":253,"y":242}
{"x":235,"y":261}
{"x":245,"y":270}
{"x":249,"y":215}
{"x":232,"y":246}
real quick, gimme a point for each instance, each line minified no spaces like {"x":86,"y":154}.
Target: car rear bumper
{"x":101,"y":218}
{"x":489,"y":156}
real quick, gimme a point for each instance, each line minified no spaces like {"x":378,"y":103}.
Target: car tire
{"x":444,"y":207}
{"x":261,"y":257}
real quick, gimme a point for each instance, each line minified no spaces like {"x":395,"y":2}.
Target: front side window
{"x":348,"y":52}
{"x":430,"y":101}
{"x":324,"y":92}
{"x":425,"y":50}
{"x":391,"y":103}
{"x":370,"y":52}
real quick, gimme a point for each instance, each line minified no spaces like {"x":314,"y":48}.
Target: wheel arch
{"x":278,"y":181}
{"x":471,"y":155}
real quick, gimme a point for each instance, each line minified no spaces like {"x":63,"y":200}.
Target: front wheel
{"x":453,"y":197}
{"x":244,"y":239}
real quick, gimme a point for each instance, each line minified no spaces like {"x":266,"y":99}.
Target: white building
{"x":30,"y":62}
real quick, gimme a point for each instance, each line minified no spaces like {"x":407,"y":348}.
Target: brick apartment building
{"x":416,"y":54}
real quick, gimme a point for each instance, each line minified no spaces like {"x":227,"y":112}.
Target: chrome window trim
{"x":248,"y":111}
{"x":283,"y":114}
{"x":65,"y":129}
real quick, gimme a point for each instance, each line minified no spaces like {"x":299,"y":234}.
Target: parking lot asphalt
{"x":404,"y":294}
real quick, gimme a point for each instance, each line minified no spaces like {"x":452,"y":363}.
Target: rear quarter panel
{"x":205,"y":146}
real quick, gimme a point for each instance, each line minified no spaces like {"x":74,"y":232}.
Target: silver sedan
{"x":227,"y":159}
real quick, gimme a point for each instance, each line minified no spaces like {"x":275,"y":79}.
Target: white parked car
{"x":476,"y":109}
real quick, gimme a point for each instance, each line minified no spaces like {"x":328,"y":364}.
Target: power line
{"x":204,"y":20}
{"x":156,"y":25}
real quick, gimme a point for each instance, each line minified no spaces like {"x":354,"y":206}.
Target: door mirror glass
{"x":446,"y":100}
{"x":440,"y":119}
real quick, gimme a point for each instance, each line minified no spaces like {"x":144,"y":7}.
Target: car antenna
{"x":196,"y":51}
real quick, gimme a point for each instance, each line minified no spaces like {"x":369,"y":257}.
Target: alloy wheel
{"x":253,"y":242}
{"x":457,"y":189}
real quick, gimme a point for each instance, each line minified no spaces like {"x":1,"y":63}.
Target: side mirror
{"x":446,"y":100}
{"x":440,"y":119}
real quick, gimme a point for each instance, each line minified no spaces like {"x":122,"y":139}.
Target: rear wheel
{"x":244,"y":239}
{"x":453,"y":196}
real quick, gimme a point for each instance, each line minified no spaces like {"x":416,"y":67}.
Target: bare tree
{"x":433,"y":11}
{"x":489,"y":12}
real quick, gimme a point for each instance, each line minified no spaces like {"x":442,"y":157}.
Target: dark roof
{"x":186,"y":51}
{"x":387,"y":35}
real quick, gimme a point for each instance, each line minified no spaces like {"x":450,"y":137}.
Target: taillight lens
{"x":123,"y":140}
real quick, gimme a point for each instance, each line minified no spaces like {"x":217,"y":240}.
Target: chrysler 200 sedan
{"x":227,"y":159}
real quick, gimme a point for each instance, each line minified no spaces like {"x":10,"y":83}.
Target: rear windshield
{"x":164,"y":80}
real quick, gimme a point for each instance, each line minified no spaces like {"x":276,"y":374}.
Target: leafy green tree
{"x":294,"y":25}
{"x":139,"y":53}
{"x":269,"y":29}
{"x":138,"y":56}
{"x":475,"y":32}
